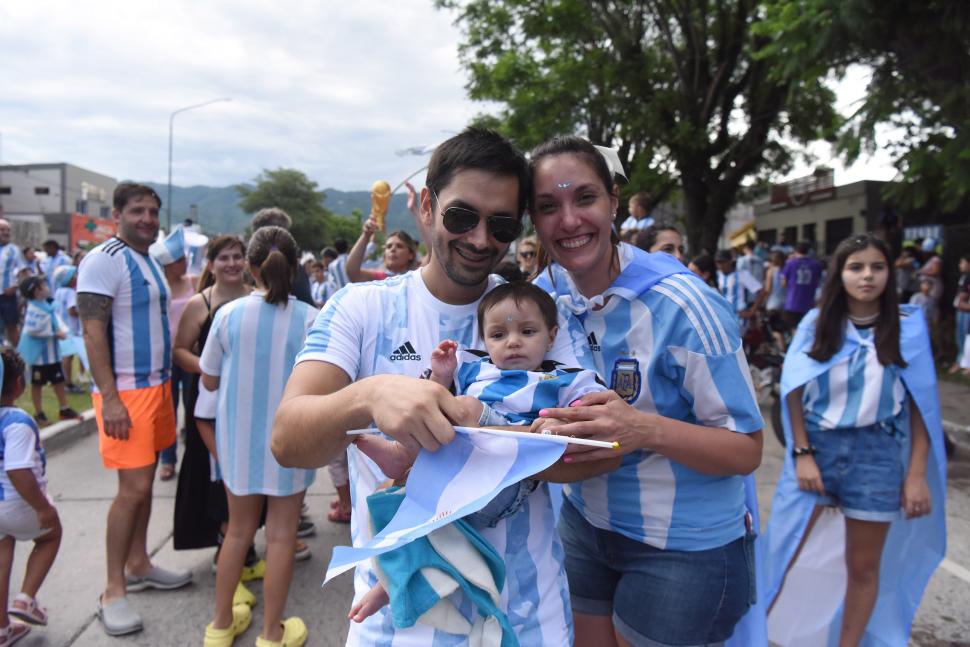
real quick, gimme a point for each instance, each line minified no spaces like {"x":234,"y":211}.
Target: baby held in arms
{"x":507,"y":386}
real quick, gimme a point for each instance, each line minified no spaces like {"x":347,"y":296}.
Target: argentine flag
{"x":457,"y":480}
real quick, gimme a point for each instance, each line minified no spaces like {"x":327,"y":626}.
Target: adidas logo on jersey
{"x":405,"y":353}
{"x":593,"y":344}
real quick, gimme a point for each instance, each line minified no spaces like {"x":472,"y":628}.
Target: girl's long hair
{"x":272,"y":251}
{"x":833,"y":306}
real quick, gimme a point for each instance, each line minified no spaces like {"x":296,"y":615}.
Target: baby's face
{"x":516,"y":337}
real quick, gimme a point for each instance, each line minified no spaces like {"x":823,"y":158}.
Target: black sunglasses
{"x":459,"y":220}
{"x":527,"y":254}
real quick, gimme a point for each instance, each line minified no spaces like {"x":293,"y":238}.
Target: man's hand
{"x":419,"y":414}
{"x":114,"y":415}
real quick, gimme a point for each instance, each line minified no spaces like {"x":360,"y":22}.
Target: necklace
{"x":863,"y":321}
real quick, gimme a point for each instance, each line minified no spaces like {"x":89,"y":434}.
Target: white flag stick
{"x":565,"y":440}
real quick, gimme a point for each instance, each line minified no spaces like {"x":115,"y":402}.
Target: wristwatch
{"x":802,"y":451}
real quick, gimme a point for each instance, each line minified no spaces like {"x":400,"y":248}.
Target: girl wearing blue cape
{"x":862,"y":426}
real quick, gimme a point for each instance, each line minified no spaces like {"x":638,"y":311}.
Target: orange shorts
{"x":152,"y":427}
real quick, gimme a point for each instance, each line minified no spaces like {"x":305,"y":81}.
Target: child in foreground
{"x":508,"y":386}
{"x":26,"y":512}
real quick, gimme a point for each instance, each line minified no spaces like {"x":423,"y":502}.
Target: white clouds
{"x":332,"y":88}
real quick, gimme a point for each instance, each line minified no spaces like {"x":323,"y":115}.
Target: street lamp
{"x":171,"y":128}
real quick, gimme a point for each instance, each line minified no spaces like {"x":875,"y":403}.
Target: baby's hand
{"x":444,"y":360}
{"x":370,"y":604}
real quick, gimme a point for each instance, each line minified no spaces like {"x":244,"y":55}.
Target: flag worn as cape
{"x":30,"y":347}
{"x":914,"y":548}
{"x":455,"y":481}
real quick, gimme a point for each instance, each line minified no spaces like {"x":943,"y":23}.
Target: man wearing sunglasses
{"x":372,"y":340}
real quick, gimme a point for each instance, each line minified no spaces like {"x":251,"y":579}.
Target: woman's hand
{"x":808,"y":474}
{"x":916,"y":496}
{"x":602,"y":416}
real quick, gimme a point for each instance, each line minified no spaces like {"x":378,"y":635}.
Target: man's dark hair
{"x":328,"y":252}
{"x":50,"y":243}
{"x":803,"y":247}
{"x":271,"y":217}
{"x":340,"y":244}
{"x":13,"y":369}
{"x":478,"y":149}
{"x":128,"y":190}
{"x":723,"y":255}
{"x":520,"y":292}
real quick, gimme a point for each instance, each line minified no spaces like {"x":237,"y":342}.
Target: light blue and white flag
{"x":457,"y":480}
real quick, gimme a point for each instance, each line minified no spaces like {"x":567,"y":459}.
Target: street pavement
{"x":83,"y":490}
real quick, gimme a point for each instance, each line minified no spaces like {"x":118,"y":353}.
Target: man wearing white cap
{"x":170,"y":252}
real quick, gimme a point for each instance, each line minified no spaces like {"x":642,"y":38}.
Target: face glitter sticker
{"x":563,"y":185}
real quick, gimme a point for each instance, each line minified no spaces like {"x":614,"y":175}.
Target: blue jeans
{"x":862,"y":469}
{"x":963,"y":328}
{"x":181,"y":382}
{"x":657,"y":597}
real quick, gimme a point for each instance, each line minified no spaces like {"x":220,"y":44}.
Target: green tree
{"x":919,"y":55}
{"x":681,"y":88}
{"x":296,"y":194}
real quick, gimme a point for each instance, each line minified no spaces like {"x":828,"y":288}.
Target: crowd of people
{"x":596,"y":330}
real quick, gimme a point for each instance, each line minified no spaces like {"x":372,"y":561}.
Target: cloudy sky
{"x":331,"y":88}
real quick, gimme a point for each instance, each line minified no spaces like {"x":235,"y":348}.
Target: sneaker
{"x":119,"y":617}
{"x":157,"y":578}
{"x":40,"y":418}
{"x":306,"y":528}
{"x":294,"y":635}
{"x":67,"y":413}
{"x":242,"y":615}
{"x":301,"y":552}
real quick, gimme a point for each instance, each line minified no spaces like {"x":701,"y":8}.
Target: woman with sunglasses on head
{"x":400,"y":254}
{"x":659,"y":551}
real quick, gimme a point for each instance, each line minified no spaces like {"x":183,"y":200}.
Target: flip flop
{"x":339,"y":516}
{"x":32,"y":611}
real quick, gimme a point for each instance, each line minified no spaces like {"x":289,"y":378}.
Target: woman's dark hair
{"x":13,"y":369}
{"x":705,"y":263}
{"x":216,"y":246}
{"x":570,"y":145}
{"x":520,"y":292}
{"x":409,"y":242}
{"x":647,"y":238}
{"x":272,"y":251}
{"x":777,"y":258}
{"x":833,"y":306}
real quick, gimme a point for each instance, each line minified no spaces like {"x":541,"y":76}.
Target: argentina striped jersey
{"x":11,"y":261}
{"x":337,"y":271}
{"x":391,"y":327}
{"x":856,"y":392}
{"x":43,"y":327}
{"x":739,"y":288}
{"x":138,"y":334}
{"x":51,"y":264}
{"x":520,"y":395}
{"x":252,"y":347}
{"x":20,"y":448}
{"x":674,"y":350}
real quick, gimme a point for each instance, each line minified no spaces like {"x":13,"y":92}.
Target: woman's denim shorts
{"x":862,"y":469}
{"x":657,"y":597}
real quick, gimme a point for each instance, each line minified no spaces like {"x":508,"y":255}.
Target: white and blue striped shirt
{"x":252,"y":347}
{"x":857,"y":392}
{"x":139,"y":336}
{"x":43,"y":327}
{"x":337,"y":271}
{"x":391,"y":327}
{"x":52,"y":263}
{"x":11,"y":260}
{"x":519,"y":395}
{"x":739,"y":288}
{"x":322,"y":291}
{"x":674,"y":350}
{"x":20,"y":448}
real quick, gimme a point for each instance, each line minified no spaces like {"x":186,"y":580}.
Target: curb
{"x":61,"y":435}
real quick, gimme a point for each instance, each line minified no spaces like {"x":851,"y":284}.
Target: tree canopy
{"x":292,"y":191}
{"x":919,"y":54}
{"x":684,"y":89}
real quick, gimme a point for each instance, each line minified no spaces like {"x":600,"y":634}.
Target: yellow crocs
{"x":254,"y":572}
{"x":242,"y":615}
{"x":294,"y":635}
{"x":243,"y":595}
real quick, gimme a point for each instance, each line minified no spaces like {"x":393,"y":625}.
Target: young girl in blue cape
{"x":862,"y":427}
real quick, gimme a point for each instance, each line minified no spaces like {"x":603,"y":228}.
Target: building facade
{"x":39,"y":199}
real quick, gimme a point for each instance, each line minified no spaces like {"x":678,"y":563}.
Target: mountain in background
{"x":217,"y":208}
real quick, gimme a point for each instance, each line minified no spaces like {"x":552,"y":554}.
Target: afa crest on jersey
{"x":626,"y":379}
